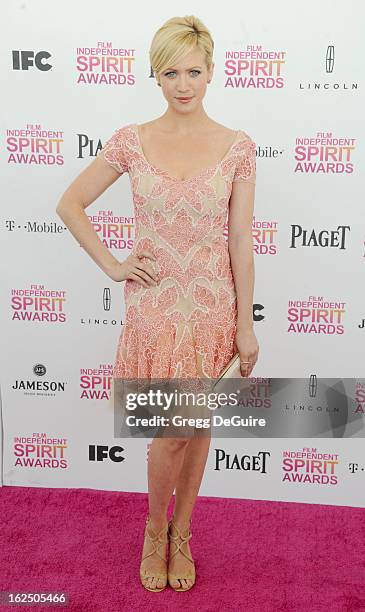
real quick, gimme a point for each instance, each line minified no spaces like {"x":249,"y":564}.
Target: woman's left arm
{"x":240,"y":245}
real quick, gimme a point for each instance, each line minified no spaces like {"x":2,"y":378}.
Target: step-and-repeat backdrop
{"x":293,"y":81}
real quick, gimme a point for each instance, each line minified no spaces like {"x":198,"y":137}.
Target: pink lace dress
{"x":184,"y":327}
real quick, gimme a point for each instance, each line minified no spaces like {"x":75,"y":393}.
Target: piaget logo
{"x":311,"y":237}
{"x":310,"y":466}
{"x":324,"y":153}
{"x":105,"y":64}
{"x":316,"y":315}
{"x":254,"y":67}
{"x":35,"y":145}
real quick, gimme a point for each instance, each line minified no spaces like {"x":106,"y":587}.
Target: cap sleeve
{"x":114,"y":151}
{"x":246,"y":162}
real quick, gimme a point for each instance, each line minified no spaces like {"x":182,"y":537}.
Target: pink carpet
{"x":250,"y":555}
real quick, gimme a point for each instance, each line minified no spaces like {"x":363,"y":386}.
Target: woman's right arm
{"x":82,"y":192}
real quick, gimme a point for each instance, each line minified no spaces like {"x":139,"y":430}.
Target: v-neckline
{"x":190,"y":178}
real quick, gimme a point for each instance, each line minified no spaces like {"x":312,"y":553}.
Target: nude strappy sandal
{"x":183,"y":539}
{"x":157,"y":540}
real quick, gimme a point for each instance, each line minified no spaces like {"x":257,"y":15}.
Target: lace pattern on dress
{"x":245,"y":160}
{"x":185,"y":326}
{"x":113,"y":151}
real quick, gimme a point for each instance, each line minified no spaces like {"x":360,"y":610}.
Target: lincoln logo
{"x":330,"y":58}
{"x":106,"y":298}
{"x":312,"y":385}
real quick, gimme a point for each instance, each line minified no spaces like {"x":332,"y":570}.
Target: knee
{"x":175,"y":444}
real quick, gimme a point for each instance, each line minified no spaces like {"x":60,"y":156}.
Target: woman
{"x":188,"y":292}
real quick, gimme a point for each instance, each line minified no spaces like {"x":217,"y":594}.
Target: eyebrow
{"x":171,"y":68}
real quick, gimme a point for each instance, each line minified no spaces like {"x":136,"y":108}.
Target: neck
{"x":184,"y":123}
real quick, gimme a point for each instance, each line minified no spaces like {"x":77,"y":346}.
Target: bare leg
{"x":165,"y":459}
{"x":189,"y":479}
{"x":187,"y":489}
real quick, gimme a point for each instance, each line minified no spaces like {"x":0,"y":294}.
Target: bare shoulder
{"x":147,"y":127}
{"x":216,"y":129}
{"x":220,"y":130}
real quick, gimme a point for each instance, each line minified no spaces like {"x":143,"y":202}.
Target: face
{"x":187,"y":78}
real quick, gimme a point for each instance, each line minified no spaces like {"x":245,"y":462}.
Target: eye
{"x":174,"y":72}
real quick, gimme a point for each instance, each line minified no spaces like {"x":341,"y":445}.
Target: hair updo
{"x":176,"y":38}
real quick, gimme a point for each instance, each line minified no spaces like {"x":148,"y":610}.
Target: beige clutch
{"x":232,"y":369}
{"x":223,"y":384}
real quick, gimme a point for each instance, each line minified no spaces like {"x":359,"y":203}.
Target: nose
{"x":182,"y":85}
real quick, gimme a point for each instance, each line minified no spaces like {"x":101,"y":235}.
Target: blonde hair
{"x":176,"y":38}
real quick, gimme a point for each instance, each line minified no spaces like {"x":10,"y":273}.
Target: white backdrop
{"x":290,"y":76}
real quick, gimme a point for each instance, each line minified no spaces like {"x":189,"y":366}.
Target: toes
{"x":154,"y":583}
{"x":181,"y":583}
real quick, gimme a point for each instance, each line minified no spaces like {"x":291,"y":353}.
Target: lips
{"x":185,"y":98}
